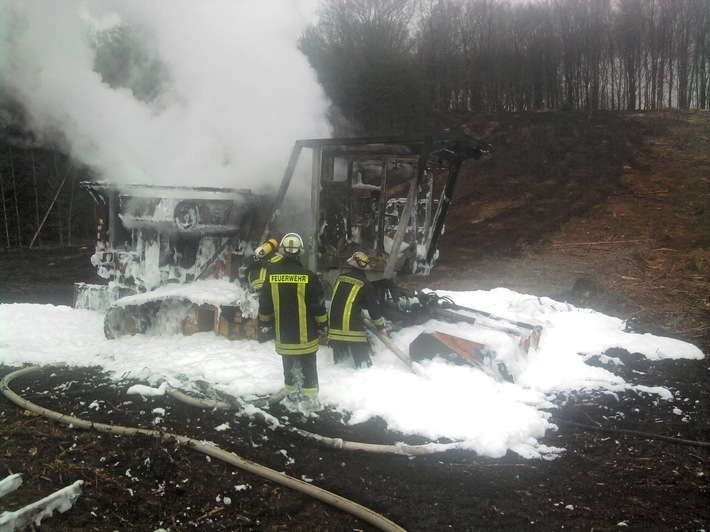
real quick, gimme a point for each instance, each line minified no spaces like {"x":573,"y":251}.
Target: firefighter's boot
{"x":309,"y":402}
{"x":292,"y":399}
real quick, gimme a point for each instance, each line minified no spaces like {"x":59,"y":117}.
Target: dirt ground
{"x":606,"y":211}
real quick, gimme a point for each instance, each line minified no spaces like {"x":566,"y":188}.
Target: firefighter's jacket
{"x":292,"y":300}
{"x":256,"y":273}
{"x":352,"y":294}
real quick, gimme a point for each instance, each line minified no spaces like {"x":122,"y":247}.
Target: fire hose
{"x":332,"y":499}
{"x":346,"y":505}
{"x":400,"y":448}
{"x":390,"y":345}
{"x":337,"y":443}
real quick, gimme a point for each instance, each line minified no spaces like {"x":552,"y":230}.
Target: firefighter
{"x":352,"y":294}
{"x":265,"y":254}
{"x":292,"y":303}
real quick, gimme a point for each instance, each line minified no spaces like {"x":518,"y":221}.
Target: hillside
{"x":610,"y":211}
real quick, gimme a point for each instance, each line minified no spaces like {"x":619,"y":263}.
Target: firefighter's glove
{"x":265,"y":333}
{"x":323,"y":335}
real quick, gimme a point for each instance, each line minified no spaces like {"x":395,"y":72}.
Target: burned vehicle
{"x":153,"y":242}
{"x":174,"y":257}
{"x":387,"y":197}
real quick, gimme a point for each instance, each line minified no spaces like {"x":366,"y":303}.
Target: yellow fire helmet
{"x":359,"y":260}
{"x":292,"y":244}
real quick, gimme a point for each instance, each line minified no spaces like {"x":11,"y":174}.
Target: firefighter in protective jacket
{"x":292,"y":302}
{"x":352,"y":294}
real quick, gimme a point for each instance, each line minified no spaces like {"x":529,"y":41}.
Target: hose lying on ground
{"x":332,"y":499}
{"x":337,"y":443}
{"x":231,"y":403}
{"x":399,"y":448}
{"x":322,"y":495}
{"x":647,"y":435}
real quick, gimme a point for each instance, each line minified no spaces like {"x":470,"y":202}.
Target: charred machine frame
{"x":385,"y":196}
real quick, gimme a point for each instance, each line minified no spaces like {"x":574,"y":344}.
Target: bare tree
{"x":700,"y":72}
{"x":439,"y":54}
{"x":4,"y":211}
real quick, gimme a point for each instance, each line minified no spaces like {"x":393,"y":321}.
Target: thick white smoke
{"x":172,"y":92}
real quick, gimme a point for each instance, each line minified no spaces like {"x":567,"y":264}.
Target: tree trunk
{"x":56,"y":195}
{"x":34,"y":181}
{"x":71,"y":204}
{"x":17,"y":203}
{"x":4,"y":211}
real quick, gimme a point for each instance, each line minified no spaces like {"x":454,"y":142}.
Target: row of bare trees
{"x":388,"y":65}
{"x":40,"y":199}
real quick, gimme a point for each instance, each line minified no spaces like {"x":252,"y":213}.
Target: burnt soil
{"x":605,"y":211}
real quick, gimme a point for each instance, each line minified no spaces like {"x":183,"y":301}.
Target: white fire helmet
{"x":292,"y":244}
{"x":359,"y":260}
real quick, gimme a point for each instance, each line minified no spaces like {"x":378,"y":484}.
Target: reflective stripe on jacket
{"x":256,"y":273}
{"x":292,"y":299}
{"x":352,"y":294}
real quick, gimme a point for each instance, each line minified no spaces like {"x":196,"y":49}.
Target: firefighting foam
{"x":461,"y":404}
{"x":170,"y":93}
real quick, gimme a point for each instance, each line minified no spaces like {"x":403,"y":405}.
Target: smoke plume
{"x":179,"y":92}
